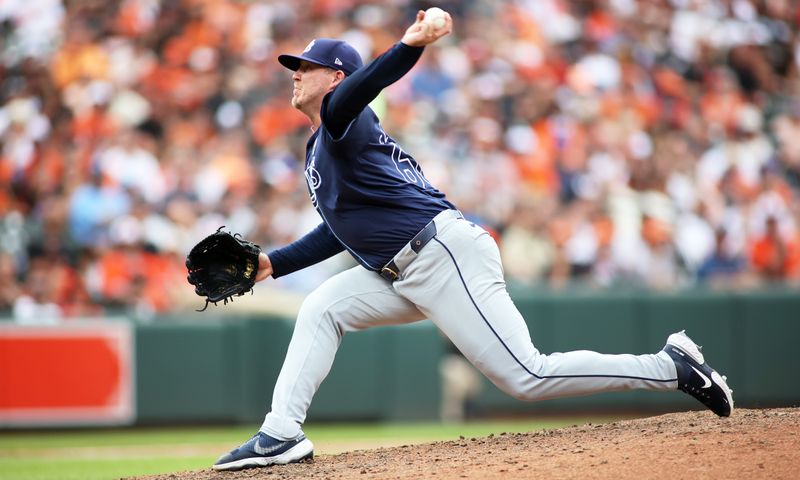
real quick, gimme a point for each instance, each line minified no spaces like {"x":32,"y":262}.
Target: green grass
{"x":120,"y":437}
{"x":111,"y":454}
{"x":99,"y":469}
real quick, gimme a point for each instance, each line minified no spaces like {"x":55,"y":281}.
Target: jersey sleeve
{"x":314,"y":247}
{"x":342,"y":106}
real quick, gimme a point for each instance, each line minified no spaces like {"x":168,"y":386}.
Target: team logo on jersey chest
{"x":313,"y":178}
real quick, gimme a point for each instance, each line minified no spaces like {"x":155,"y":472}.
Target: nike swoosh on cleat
{"x":703,"y":376}
{"x":266,"y":451}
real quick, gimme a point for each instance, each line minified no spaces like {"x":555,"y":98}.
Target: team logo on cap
{"x":309,"y":46}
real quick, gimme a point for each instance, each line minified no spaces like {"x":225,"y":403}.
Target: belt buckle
{"x":389,"y":274}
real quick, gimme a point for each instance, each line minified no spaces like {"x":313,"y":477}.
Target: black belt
{"x":390,"y":271}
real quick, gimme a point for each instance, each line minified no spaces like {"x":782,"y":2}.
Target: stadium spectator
{"x":722,"y":269}
{"x":774,"y":256}
{"x":93,"y":206}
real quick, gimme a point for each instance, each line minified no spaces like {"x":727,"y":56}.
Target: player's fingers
{"x":416,"y":34}
{"x":420,"y":16}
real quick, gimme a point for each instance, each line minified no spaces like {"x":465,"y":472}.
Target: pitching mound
{"x":751,"y":444}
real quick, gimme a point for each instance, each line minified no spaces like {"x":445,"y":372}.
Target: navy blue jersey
{"x":371,"y":194}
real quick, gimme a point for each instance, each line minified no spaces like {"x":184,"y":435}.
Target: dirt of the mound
{"x":751,"y":444}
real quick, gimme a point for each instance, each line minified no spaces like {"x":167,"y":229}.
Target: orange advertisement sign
{"x":80,"y":373}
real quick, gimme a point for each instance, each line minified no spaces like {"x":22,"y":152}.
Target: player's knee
{"x":317,"y":310}
{"x":523,"y":381}
{"x":526,"y":390}
{"x":520,"y":392}
{"x":312,"y":310}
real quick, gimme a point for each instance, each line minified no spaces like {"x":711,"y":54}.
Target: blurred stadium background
{"x":637,"y":161}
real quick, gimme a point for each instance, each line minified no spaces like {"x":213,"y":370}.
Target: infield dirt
{"x":751,"y":444}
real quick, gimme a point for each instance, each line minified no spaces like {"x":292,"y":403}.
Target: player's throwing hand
{"x":423,"y":33}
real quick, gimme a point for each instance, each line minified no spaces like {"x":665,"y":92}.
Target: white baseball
{"x":435,"y":16}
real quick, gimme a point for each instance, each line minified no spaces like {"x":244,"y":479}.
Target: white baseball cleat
{"x":263,"y":450}
{"x":696,"y":377}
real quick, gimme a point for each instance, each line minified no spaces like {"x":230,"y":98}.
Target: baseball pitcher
{"x":419,"y":258}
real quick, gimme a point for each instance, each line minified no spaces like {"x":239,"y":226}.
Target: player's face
{"x":311,"y":83}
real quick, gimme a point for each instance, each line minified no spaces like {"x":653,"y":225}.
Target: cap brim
{"x":292,"y":62}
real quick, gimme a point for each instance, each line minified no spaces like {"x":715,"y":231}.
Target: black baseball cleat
{"x":696,"y":378}
{"x":263,"y":450}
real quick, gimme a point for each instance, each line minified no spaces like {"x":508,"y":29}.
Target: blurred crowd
{"x":611,"y":143}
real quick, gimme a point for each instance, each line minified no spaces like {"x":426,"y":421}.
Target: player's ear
{"x":338,"y":76}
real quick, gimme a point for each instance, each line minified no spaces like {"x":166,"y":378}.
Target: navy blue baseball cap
{"x":327,"y":52}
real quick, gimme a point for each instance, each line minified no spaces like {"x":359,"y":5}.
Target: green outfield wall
{"x":214,"y":367}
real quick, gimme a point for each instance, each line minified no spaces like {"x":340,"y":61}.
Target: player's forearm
{"x":360,"y":88}
{"x":312,"y":248}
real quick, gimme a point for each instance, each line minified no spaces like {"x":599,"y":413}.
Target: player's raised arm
{"x":359,"y":89}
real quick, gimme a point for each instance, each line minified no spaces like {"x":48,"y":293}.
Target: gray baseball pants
{"x":457,"y":282}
